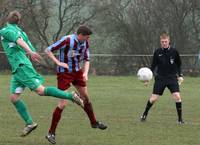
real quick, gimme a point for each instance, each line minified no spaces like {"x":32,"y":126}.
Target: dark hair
{"x":14,"y":17}
{"x":84,"y":30}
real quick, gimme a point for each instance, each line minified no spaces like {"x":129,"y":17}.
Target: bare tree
{"x":121,"y":26}
{"x":46,"y":21}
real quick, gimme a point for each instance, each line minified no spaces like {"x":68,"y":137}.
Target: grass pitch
{"x":117,"y":101}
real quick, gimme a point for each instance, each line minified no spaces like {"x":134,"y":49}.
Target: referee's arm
{"x":154,"y":62}
{"x":178,"y":62}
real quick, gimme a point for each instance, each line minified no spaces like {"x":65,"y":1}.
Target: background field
{"x":118,"y":101}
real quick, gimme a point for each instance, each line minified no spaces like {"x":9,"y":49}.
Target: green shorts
{"x":25,"y":76}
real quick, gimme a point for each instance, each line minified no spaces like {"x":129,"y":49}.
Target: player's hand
{"x":62,"y":64}
{"x":35,"y":56}
{"x":180,"y":80}
{"x":146,"y":83}
{"x":85,"y":76}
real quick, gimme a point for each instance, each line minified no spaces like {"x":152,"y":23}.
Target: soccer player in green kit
{"x":16,"y":44}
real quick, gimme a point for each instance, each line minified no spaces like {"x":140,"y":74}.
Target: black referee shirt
{"x":167,"y":61}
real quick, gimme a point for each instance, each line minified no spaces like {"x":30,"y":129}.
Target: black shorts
{"x":161,"y":83}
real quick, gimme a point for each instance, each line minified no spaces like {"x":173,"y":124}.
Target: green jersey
{"x":15,"y":54}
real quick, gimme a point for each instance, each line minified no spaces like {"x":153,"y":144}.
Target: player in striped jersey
{"x":73,"y":49}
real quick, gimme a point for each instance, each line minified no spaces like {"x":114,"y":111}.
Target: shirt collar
{"x":166,"y":48}
{"x":13,"y":25}
{"x":8,"y":24}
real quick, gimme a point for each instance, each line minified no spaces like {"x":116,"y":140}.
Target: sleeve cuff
{"x":180,"y":75}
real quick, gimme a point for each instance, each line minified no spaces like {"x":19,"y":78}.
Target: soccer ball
{"x":144,"y":74}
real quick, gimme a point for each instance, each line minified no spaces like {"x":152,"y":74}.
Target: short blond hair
{"x":14,"y":17}
{"x":164,"y":36}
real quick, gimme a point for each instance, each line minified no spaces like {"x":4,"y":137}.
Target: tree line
{"x":120,"y":27}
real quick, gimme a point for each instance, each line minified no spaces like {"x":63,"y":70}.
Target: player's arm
{"x":55,"y":60}
{"x":86,"y":67}
{"x":154,"y":62}
{"x":31,"y":46}
{"x":56,"y":46}
{"x":178,"y":62}
{"x":86,"y":64}
{"x":15,"y":37}
{"x":34,"y":56}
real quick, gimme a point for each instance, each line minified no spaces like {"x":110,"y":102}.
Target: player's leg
{"x":80,"y":85}
{"x":57,"y":113}
{"x":31,"y":79}
{"x":174,"y":89}
{"x":63,"y":83}
{"x":178,"y":101}
{"x":83,"y":91}
{"x":57,"y":93}
{"x":87,"y":104}
{"x":150,"y":102}
{"x":158,"y":89}
{"x":16,"y":89}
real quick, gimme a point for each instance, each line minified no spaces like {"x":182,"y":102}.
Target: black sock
{"x":148,"y":106}
{"x":179,"y":110}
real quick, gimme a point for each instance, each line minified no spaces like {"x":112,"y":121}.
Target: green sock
{"x":22,"y":110}
{"x":54,"y":92}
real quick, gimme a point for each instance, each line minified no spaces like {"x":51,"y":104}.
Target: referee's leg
{"x":174,"y":88}
{"x":159,"y":87}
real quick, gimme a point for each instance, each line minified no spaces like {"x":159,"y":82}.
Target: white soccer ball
{"x":144,"y":74}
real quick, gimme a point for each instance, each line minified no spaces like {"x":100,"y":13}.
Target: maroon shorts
{"x":66,"y":79}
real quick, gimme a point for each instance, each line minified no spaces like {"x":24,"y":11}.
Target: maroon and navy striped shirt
{"x":71,"y":51}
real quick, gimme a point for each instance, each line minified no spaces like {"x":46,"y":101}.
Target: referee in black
{"x":168,"y":63}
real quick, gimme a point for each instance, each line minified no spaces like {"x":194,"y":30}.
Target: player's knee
{"x":40,"y":93}
{"x":86,"y":99}
{"x":84,"y":95}
{"x":153,"y":99}
{"x":87,"y":103}
{"x":177,"y":97}
{"x":62,"y":104}
{"x":14,"y":98}
{"x":40,"y":90}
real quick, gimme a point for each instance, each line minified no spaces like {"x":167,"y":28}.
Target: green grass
{"x":118,"y":101}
